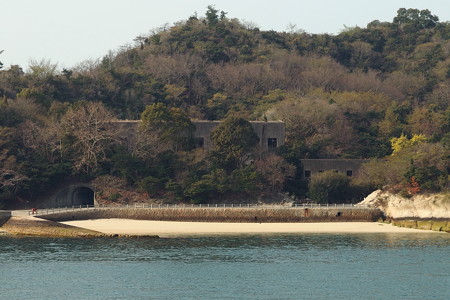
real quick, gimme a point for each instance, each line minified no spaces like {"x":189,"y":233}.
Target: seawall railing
{"x":47,"y":211}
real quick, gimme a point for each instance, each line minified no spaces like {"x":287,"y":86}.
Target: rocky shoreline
{"x":30,"y":226}
{"x":425,"y":211}
{"x":435,"y":225}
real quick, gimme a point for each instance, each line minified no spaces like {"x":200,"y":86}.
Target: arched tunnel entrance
{"x":82,"y":196}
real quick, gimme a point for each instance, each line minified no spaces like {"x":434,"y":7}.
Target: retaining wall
{"x":71,"y":195}
{"x":4,"y":217}
{"x":238,"y":215}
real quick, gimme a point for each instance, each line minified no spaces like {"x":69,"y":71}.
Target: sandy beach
{"x":167,"y":229}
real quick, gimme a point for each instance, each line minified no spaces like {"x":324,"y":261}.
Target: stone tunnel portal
{"x":83,"y":196}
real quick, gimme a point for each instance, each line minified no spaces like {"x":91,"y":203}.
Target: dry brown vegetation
{"x":340,"y":96}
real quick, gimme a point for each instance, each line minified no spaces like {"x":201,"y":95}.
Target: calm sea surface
{"x":301,"y":266}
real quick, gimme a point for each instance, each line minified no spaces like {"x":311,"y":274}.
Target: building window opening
{"x":349,"y":173}
{"x":200,"y":142}
{"x":272,"y":143}
{"x":307,"y":173}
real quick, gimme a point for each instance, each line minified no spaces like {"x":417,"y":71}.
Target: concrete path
{"x":20,"y":213}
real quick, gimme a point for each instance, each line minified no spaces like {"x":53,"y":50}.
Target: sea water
{"x":276,"y":266}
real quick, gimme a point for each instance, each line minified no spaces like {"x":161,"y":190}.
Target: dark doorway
{"x":272,"y":143}
{"x":83,"y":196}
{"x":200,"y":142}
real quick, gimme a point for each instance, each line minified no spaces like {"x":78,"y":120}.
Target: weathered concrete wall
{"x":265,"y":131}
{"x":4,"y":216}
{"x":268,"y":131}
{"x":239,"y":215}
{"x":348,"y":167}
{"x":72,"y":195}
{"x":203,"y":130}
{"x":273,"y":130}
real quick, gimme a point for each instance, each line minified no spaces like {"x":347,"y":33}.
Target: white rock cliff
{"x":431,"y":206}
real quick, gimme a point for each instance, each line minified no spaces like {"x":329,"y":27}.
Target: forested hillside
{"x":376,"y":92}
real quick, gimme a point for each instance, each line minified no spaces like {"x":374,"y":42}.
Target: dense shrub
{"x":150,"y":185}
{"x":199,"y":191}
{"x":329,"y":187}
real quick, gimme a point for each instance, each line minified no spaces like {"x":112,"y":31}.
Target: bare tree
{"x":44,"y":139}
{"x":440,"y":95}
{"x":90,"y":127}
{"x":8,"y":176}
{"x":425,"y":121}
{"x":315,"y":122}
{"x":275,"y":170}
{"x":41,"y":71}
{"x":245,"y":80}
{"x":408,"y":84}
{"x":148,"y":144}
{"x":324,"y":73}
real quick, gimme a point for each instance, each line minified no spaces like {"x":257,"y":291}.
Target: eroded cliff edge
{"x":427,"y":211}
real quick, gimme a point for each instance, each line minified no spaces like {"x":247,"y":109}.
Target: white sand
{"x":165,"y":229}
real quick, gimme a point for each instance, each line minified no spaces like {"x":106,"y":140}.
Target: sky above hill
{"x":68,"y":32}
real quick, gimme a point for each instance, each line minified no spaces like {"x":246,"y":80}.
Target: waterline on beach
{"x":166,"y":228}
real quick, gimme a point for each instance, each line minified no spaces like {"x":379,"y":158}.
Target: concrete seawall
{"x":4,"y":216}
{"x":29,"y":226}
{"x":238,"y":215}
{"x":424,"y":224}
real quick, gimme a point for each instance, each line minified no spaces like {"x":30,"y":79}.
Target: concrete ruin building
{"x":271,"y":136}
{"x":270,"y":133}
{"x":349,"y":167}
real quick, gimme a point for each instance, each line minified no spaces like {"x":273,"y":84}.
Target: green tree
{"x":234,"y":140}
{"x":218,"y":106}
{"x":428,"y":178}
{"x":329,"y":187}
{"x":151,"y":185}
{"x":417,"y":19}
{"x":427,"y":162}
{"x":199,"y":191}
{"x":246,"y":180}
{"x":401,"y":143}
{"x":171,"y":124}
{"x":212,"y":16}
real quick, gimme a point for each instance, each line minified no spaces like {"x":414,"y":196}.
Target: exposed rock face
{"x":431,"y":206}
